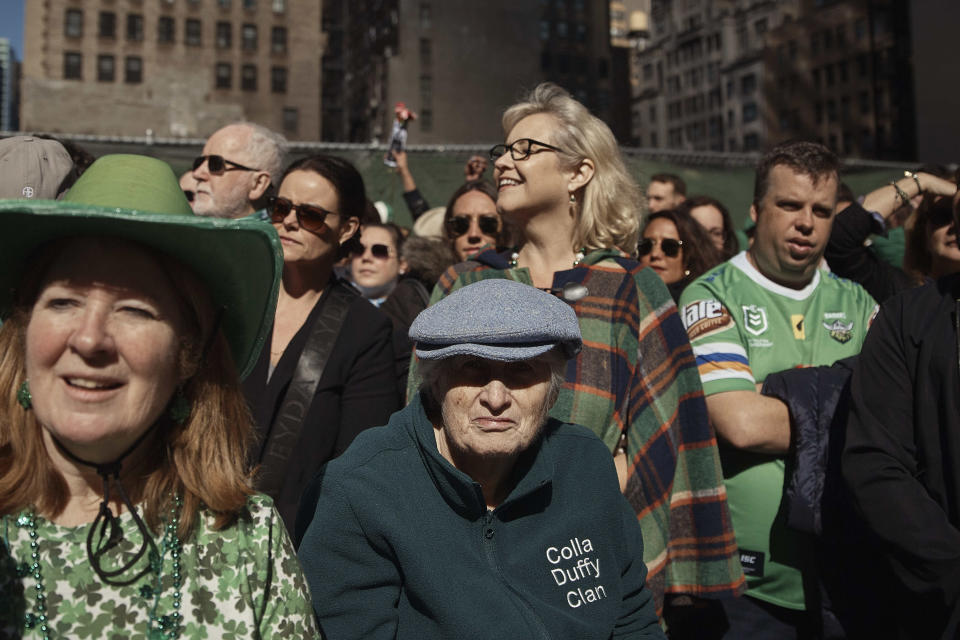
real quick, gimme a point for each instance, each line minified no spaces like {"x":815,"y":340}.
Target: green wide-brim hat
{"x":138,"y":198}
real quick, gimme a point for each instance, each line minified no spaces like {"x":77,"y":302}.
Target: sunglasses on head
{"x":379,"y":251}
{"x":309,"y":216}
{"x":218,"y":164}
{"x":459,"y":225}
{"x":669,"y":246}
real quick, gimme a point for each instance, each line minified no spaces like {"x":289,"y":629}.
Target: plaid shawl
{"x":636,"y":373}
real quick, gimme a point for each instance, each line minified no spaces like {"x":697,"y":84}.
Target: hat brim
{"x":228,"y":256}
{"x":500,"y":352}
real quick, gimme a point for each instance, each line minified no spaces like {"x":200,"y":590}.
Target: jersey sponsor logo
{"x":839,"y":330}
{"x":705,"y":317}
{"x":796,"y":321}
{"x":755,"y":319}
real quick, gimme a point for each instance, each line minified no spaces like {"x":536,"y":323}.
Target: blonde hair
{"x":611,"y":205}
{"x":203,"y":459}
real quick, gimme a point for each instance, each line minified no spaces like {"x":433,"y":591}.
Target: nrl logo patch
{"x":755,"y":319}
{"x":840,"y":331}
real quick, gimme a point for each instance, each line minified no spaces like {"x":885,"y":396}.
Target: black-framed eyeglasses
{"x":218,"y":164}
{"x":521,"y":149}
{"x":669,"y":246}
{"x":459,"y":225}
{"x":309,"y":216}
{"x":379,"y":251}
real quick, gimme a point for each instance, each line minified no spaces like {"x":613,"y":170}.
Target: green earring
{"x":179,"y":409}
{"x":23,"y":395}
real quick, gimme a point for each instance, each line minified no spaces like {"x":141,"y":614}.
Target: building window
{"x":760,"y":26}
{"x":224,"y":4}
{"x":290,"y":120}
{"x":751,"y":142}
{"x":561,"y":29}
{"x":749,"y":112}
{"x":248,"y":77}
{"x":133,"y":70}
{"x":165,"y":30}
{"x":107,"y":25}
{"x":279,"y":6}
{"x":224,"y":35}
{"x":193,"y":32}
{"x":72,"y":66}
{"x":864,"y":99}
{"x":134,"y":27}
{"x":603,"y":68}
{"x":748,"y":84}
{"x":278,"y":39}
{"x":426,"y":18}
{"x":249,"y":37}
{"x":426,"y":119}
{"x":73,"y":23}
{"x":544,"y":30}
{"x":224,"y":75}
{"x":426,"y":89}
{"x":278,"y":79}
{"x":653,"y":114}
{"x":250,"y":4}
{"x":581,"y":32}
{"x":831,"y":110}
{"x":863,"y":65}
{"x":426,"y":51}
{"x":105,"y":69}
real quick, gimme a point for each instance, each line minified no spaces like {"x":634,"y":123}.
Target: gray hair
{"x":267,"y":148}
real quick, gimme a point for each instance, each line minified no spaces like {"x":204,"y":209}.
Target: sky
{"x":11,"y":24}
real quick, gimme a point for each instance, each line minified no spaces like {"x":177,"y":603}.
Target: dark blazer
{"x":358,"y":390}
{"x":902,"y":454}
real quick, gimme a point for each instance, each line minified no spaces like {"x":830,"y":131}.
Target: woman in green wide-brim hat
{"x":126,"y":503}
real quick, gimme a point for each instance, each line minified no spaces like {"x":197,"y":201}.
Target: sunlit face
{"x":228,"y":194}
{"x":536,"y":183}
{"x":670,"y":269}
{"x":375,"y":271}
{"x":710,"y":218}
{"x":102,"y":347}
{"x":300,"y":245}
{"x":492,"y":409}
{"x":661,"y":196}
{"x":942,"y":244}
{"x":474,"y":205}
{"x":793,"y":225}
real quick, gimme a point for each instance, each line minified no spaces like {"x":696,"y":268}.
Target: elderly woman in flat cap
{"x":472,"y":514}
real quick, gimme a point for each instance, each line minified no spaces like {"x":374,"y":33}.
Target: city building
{"x":936,"y":90}
{"x":171,"y":67}
{"x":9,"y":76}
{"x":742,"y":75}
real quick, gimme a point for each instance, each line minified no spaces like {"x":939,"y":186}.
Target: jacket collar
{"x":457,"y":488}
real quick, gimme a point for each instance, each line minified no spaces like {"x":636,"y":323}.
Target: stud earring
{"x":179,"y":409}
{"x":573,"y":198}
{"x":23,"y":395}
{"x":686,"y":272}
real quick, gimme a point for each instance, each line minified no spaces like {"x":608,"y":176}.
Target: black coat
{"x":358,"y":390}
{"x":902,"y":455}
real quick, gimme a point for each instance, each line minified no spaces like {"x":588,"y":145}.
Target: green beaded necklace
{"x":166,"y":627}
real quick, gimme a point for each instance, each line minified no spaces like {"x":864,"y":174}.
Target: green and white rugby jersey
{"x":743,"y":326}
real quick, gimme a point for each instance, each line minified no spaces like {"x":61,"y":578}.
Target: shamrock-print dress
{"x":241,"y":582}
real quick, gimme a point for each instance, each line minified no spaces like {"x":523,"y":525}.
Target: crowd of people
{"x":243,"y":403}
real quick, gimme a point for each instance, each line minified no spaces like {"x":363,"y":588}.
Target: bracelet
{"x":900,"y":192}
{"x":911,"y":174}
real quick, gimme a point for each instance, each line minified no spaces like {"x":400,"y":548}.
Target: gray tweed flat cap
{"x":496,"y":319}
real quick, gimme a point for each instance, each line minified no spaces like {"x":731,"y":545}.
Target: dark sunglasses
{"x":940,"y":213}
{"x":309,"y":216}
{"x":380,"y":251}
{"x":218,"y":164}
{"x":520,"y":149}
{"x":669,"y":246}
{"x":459,"y":225}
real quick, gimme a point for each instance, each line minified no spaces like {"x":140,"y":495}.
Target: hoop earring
{"x":23,"y":395}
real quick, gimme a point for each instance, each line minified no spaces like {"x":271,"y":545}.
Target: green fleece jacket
{"x":403,"y":546}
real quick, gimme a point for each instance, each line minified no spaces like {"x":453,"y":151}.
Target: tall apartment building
{"x":741,"y":75}
{"x":174,"y":67}
{"x":8,"y":87}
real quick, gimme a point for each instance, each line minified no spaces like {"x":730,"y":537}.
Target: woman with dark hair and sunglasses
{"x":677,"y":248}
{"x":563,"y":185}
{"x":471,"y":220}
{"x":327,"y":372}
{"x":931,"y":244}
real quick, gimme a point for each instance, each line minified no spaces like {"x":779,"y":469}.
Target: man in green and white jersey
{"x":765,"y":310}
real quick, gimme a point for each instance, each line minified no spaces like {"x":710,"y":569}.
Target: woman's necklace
{"x":165,"y":627}
{"x":577,"y":259}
